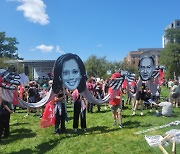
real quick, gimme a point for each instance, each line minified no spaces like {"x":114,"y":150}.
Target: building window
{"x":172,"y":25}
{"x":178,"y":24}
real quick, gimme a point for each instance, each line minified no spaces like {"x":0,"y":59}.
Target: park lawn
{"x":101,"y":137}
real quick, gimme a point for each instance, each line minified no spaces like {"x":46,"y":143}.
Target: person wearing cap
{"x":116,"y":103}
{"x":116,"y":108}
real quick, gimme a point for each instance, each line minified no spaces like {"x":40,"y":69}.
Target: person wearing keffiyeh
{"x":79,"y":110}
{"x":60,"y":112}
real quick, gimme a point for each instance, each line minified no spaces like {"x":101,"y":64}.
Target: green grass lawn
{"x":101,"y":137}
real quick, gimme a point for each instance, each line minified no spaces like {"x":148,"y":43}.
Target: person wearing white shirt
{"x":166,"y":108}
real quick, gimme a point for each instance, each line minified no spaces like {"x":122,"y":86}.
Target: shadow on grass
{"x":126,"y":115}
{"x":19,"y":123}
{"x":46,"y":146}
{"x":42,"y":148}
{"x":135,"y":124}
{"x":100,"y":130}
{"x":92,"y":130}
{"x":174,"y":114}
{"x":50,"y":144}
{"x":18,"y":134}
{"x":24,"y":151}
{"x":125,"y":107}
{"x":102,"y":111}
{"x":70,"y":118}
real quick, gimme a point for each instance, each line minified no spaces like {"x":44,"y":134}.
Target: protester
{"x":98,"y":94}
{"x":170,"y":84}
{"x":79,"y":107}
{"x":43,"y":93}
{"x":166,"y":108}
{"x":175,"y":93}
{"x":5,"y":112}
{"x":90,"y":87}
{"x":140,"y":97}
{"x":31,"y":95}
{"x":116,"y":108}
{"x":105,"y":91}
{"x":131,"y":93}
{"x":60,"y":112}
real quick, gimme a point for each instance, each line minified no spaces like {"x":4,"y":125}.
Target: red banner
{"x":48,"y":118}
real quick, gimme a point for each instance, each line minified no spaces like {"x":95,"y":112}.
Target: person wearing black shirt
{"x":140,"y":97}
{"x":60,"y":112}
{"x":79,"y":107}
{"x":4,"y":118}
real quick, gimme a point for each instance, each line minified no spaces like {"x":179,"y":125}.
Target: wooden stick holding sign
{"x":174,"y":147}
{"x":162,"y":149}
{"x":167,"y":137}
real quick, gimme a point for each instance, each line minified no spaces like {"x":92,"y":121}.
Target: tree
{"x":170,"y":55}
{"x":114,"y":66}
{"x":130,"y":68}
{"x":97,"y":67}
{"x":173,"y":35}
{"x":8,"y":47}
{"x":170,"y":58}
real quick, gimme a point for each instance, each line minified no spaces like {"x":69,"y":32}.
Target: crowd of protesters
{"x":99,"y":88}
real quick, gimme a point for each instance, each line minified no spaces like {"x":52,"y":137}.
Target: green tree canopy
{"x":170,"y":55}
{"x":170,"y":58}
{"x":130,"y":68}
{"x":97,"y":67}
{"x":173,"y":35}
{"x":8,"y":47}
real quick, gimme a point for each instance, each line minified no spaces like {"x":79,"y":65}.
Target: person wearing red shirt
{"x":116,"y":108}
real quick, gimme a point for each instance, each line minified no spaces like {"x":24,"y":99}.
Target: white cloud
{"x":44,"y":48}
{"x":99,"y":45}
{"x":34,"y":11}
{"x":58,"y":49}
{"x":47,"y":49}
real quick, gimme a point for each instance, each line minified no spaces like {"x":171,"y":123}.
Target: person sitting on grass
{"x":166,"y":108}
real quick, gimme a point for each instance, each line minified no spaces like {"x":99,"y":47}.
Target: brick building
{"x":133,"y":57}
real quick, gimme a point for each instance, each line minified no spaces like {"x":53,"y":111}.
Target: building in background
{"x":174,"y":24}
{"x":133,"y":57}
{"x":40,"y":69}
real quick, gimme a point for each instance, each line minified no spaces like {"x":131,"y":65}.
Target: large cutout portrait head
{"x":146,"y":67}
{"x":70,"y":72}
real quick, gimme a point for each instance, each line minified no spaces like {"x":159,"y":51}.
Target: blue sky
{"x":45,"y":29}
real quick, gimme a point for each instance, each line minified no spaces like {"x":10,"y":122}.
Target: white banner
{"x":41,"y":72}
